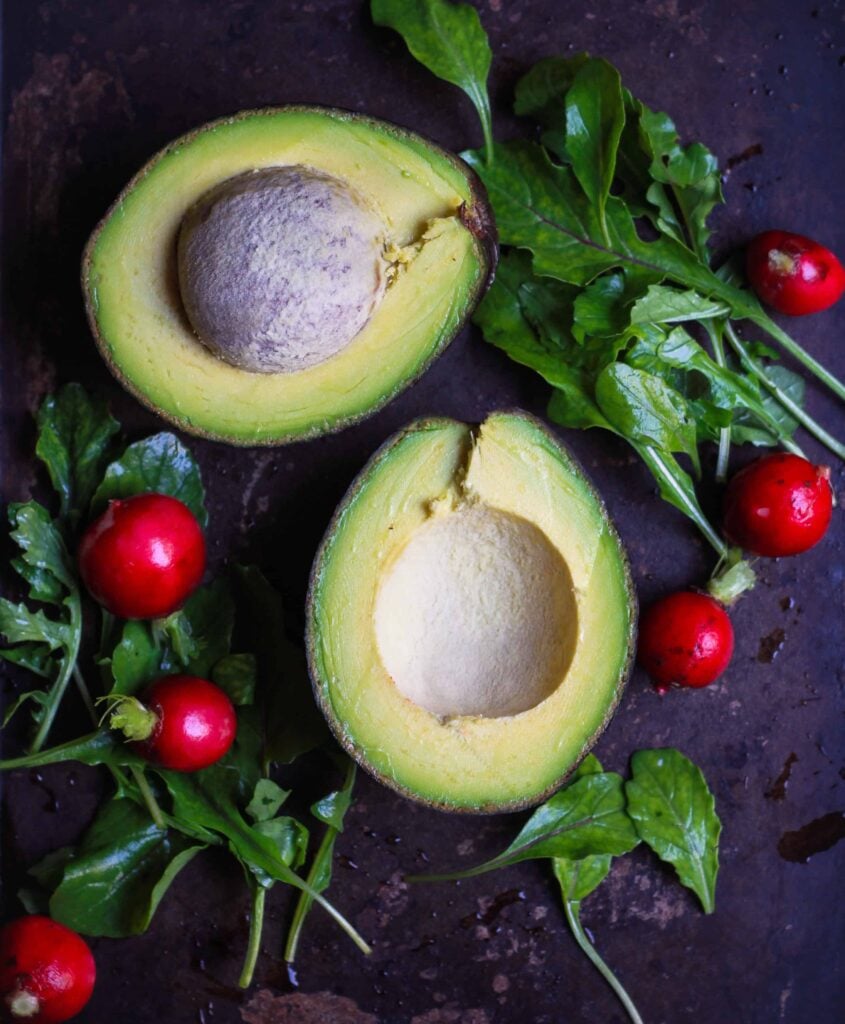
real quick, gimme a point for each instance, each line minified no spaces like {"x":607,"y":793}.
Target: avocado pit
{"x":280,"y":268}
{"x":476,"y":615}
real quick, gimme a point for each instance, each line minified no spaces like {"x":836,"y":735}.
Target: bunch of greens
{"x":598,"y":816}
{"x":608,"y":273}
{"x":156,"y":821}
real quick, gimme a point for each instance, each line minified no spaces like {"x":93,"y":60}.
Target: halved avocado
{"x":324,"y":260}
{"x":471,"y":614}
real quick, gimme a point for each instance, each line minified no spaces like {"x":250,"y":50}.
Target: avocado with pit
{"x":471,"y":615}
{"x":285,"y":272}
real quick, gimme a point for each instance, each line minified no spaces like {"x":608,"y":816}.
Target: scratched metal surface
{"x":90,"y":91}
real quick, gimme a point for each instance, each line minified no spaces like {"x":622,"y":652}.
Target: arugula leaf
{"x":116,"y":878}
{"x":775,"y":424}
{"x":663,"y":305}
{"x":450,"y":41}
{"x":76,"y":436}
{"x":579,"y":878}
{"x":266,"y":800}
{"x":541,"y":206}
{"x":674,"y":812}
{"x":100,"y":747}
{"x":137,"y":658}
{"x":45,"y":565}
{"x":160,"y":464}
{"x":646,"y":410}
{"x":586,"y":818}
{"x":331,"y":810}
{"x":236,"y":675}
{"x":289,"y":836}
{"x":594,"y":120}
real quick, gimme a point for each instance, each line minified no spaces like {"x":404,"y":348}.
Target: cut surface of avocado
{"x":282,"y":273}
{"x":471,"y":614}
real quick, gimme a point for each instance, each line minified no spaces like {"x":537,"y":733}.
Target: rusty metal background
{"x":90,"y":90}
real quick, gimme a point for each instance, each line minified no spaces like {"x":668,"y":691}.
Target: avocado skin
{"x":478,"y":218}
{"x":353,"y":749}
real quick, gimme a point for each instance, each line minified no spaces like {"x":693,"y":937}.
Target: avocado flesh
{"x":473,"y":762}
{"x":438,"y":267}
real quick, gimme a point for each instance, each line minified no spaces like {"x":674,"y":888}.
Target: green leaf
{"x":579,"y":878}
{"x":540,"y":206}
{"x":159,"y":464}
{"x":675,"y":814}
{"x":44,"y":562}
{"x":266,"y":800}
{"x":646,"y":410}
{"x":201,"y":633}
{"x":691,"y":173}
{"x":18,"y":624}
{"x":137,"y":659}
{"x":37,"y":697}
{"x":32,"y":656}
{"x":293,"y":725}
{"x":584,"y":819}
{"x":236,"y":675}
{"x":117,"y":877}
{"x":100,"y":747}
{"x":541,"y":92}
{"x":332,"y":808}
{"x":289,"y":836}
{"x":664,"y":305}
{"x":449,"y":40}
{"x":750,"y":428}
{"x":594,"y":120}
{"x":75,"y":440}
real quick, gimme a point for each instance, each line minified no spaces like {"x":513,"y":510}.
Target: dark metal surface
{"x":91,"y":90}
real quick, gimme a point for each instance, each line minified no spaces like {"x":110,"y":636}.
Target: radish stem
{"x":795,"y":350}
{"x":791,"y":407}
{"x":256,"y":927}
{"x":724,"y":432}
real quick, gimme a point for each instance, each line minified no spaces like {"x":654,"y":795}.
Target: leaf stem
{"x":791,"y":407}
{"x":57,"y":691}
{"x":795,"y":350}
{"x":715,"y":335}
{"x":85,"y":693}
{"x":256,"y":927}
{"x":690,"y":506}
{"x":148,"y":796}
{"x":305,"y":902}
{"x":573,"y":918}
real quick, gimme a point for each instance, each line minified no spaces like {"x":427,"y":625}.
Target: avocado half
{"x":262,"y":321}
{"x":471,"y":615}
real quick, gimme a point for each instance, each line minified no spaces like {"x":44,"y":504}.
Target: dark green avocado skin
{"x":321,"y":685}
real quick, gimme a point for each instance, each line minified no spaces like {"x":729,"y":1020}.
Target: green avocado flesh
{"x":471,"y":614}
{"x":285,"y":272}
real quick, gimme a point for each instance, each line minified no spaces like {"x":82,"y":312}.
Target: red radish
{"x":47,"y":972}
{"x":779,"y":505}
{"x":143,"y":557}
{"x":686,"y":639}
{"x":793,"y":274}
{"x":185,"y":723}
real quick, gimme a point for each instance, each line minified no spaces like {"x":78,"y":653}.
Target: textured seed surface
{"x":279,"y":269}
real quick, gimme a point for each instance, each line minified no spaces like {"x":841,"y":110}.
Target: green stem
{"x":85,"y":693}
{"x":574,"y":920}
{"x":57,"y":691}
{"x":256,"y":927}
{"x":791,"y":407}
{"x":795,"y":350}
{"x":684,"y":501}
{"x":148,"y":796}
{"x":725,"y":432}
{"x":304,"y":903}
